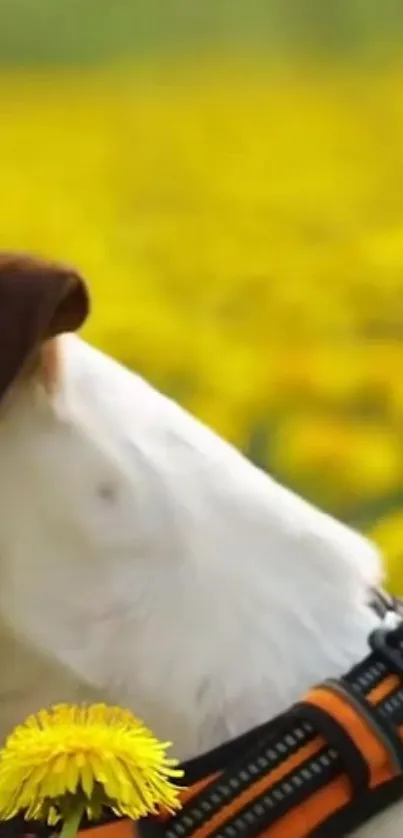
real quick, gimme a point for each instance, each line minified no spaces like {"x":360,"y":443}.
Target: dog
{"x":143,"y":560}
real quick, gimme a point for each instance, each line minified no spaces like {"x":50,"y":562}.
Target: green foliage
{"x":84,"y":31}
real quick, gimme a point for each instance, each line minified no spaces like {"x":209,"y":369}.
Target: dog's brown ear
{"x":38,"y":300}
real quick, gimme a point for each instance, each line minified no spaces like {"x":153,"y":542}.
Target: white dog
{"x":143,"y":561}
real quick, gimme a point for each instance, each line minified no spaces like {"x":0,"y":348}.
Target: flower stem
{"x":72,"y":820}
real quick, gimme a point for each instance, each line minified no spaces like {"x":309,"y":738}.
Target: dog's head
{"x":38,"y":300}
{"x":131,"y":536}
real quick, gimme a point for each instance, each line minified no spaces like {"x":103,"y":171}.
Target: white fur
{"x":146,"y":562}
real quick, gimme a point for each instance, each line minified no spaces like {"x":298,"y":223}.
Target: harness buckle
{"x":388,"y":644}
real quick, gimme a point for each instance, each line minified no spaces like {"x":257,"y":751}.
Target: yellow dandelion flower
{"x":70,"y":760}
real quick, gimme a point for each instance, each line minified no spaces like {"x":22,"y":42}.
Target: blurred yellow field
{"x":242,"y":230}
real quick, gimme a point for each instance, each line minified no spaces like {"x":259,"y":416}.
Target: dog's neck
{"x":162,"y":569}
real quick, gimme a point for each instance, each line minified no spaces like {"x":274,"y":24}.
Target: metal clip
{"x":385,"y":643}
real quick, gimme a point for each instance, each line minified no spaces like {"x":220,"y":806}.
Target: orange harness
{"x":321,"y":769}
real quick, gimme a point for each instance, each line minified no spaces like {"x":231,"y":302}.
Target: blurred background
{"x":229,"y":176}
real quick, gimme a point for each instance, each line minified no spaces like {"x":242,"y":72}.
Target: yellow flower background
{"x":241,"y":226}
